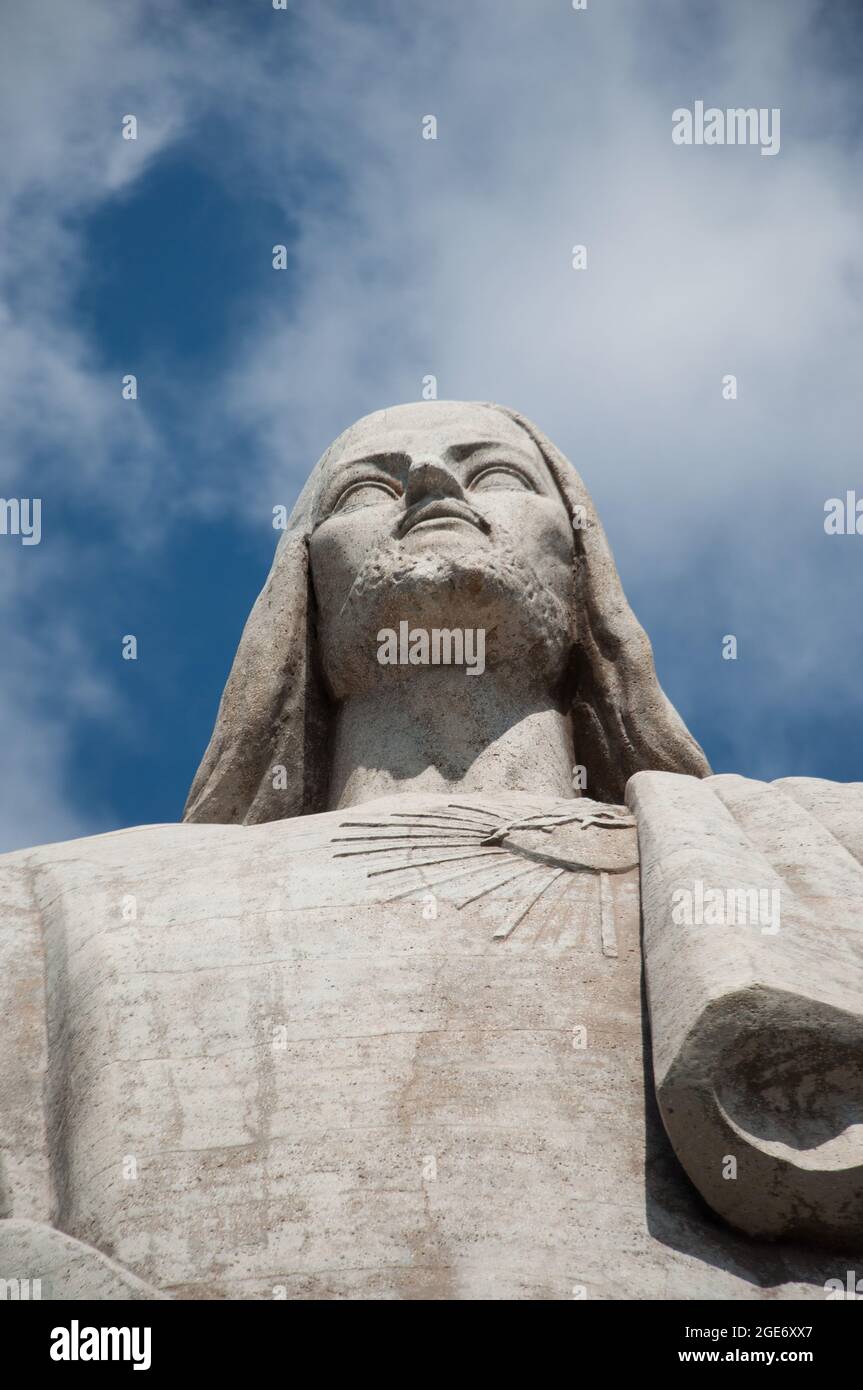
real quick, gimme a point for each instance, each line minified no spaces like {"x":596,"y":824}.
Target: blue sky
{"x":409,"y":257}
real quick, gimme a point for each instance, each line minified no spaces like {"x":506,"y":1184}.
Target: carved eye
{"x":500,"y":476}
{"x":365,"y":494}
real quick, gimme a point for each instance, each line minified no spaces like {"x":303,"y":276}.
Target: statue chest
{"x":391,"y":1052}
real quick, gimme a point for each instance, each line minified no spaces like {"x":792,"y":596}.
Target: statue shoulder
{"x":752,"y":897}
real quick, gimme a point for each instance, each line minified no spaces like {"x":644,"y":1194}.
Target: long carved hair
{"x":275,"y":712}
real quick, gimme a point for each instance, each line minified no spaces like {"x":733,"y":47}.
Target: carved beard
{"x":527,"y":626}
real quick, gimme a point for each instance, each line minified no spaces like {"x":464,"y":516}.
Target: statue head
{"x":448,"y":516}
{"x":454,"y":516}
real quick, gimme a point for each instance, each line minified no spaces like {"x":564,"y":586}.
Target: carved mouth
{"x":442,"y":508}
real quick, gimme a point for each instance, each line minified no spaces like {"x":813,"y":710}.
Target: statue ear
{"x":623,"y":722}
{"x":266,"y":759}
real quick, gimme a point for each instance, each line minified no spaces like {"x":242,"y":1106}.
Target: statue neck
{"x":438,"y":734}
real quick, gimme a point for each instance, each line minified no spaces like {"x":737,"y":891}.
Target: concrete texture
{"x":329,"y":1091}
{"x":52,"y":1267}
{"x":567,"y":661}
{"x":757,"y":1033}
{"x":370,"y":1025}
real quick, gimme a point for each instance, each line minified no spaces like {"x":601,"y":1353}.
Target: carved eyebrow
{"x":396,"y":458}
{"x":457,"y":452}
{"x":460,"y":452}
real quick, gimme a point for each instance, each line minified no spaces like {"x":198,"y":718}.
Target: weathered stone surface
{"x":328,"y":1092}
{"x":25,"y":1188}
{"x":371,"y":1025}
{"x":39,"y":1262}
{"x":514,"y":547}
{"x":756,"y":1023}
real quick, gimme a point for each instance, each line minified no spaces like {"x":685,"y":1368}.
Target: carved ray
{"x":494,"y":817}
{"x":467,"y":837}
{"x":608,"y":932}
{"x":428,"y":863}
{"x":442,"y":881}
{"x":503,"y":932}
{"x":400,"y":849}
{"x":394,"y":835}
{"x":466,"y":821}
{"x":569,"y":880}
{"x":462,"y":826}
{"x":502,"y":883}
{"x":467,"y":827}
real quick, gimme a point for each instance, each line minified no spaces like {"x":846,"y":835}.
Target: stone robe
{"x":402,"y":1051}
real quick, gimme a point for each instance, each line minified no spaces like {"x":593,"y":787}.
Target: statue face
{"x":443,"y":515}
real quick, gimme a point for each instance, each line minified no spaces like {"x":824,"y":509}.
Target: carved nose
{"x":431,"y":478}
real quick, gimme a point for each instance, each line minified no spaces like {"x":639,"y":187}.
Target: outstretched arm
{"x":752,"y":903}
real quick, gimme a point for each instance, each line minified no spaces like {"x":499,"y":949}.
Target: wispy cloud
{"x":452,"y":257}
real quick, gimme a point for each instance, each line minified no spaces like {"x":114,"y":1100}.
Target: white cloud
{"x":452,"y":257}
{"x":68,"y":74}
{"x":554,"y":127}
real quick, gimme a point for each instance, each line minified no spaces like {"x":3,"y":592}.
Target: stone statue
{"x":369,"y":1024}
